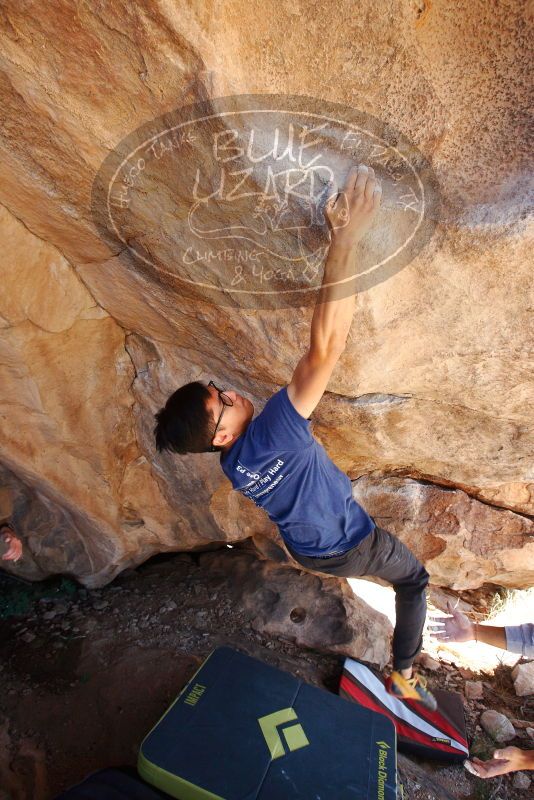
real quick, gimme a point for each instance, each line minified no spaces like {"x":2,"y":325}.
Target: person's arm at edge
{"x":459,"y":628}
{"x":520,"y":639}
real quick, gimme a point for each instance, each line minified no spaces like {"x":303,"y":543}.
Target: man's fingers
{"x":377,"y":195}
{"x":361,"y":180}
{"x":350,"y":182}
{"x":370,"y":184}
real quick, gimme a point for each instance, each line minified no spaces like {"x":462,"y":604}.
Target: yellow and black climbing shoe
{"x":411,"y":689}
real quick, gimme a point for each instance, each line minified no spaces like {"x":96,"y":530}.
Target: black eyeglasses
{"x":226,"y":401}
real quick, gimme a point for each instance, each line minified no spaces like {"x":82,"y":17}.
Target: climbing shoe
{"x":413,"y":688}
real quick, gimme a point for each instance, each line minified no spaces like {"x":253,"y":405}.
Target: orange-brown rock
{"x":430,"y":407}
{"x":462,"y":542}
{"x":311,"y":610}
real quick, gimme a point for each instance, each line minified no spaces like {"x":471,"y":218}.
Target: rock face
{"x":462,"y":542}
{"x":430,"y":407}
{"x":309,"y":610}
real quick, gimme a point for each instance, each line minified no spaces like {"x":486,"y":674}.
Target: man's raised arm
{"x":349,"y":214}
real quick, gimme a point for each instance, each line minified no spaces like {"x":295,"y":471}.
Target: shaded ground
{"x":85,"y":675}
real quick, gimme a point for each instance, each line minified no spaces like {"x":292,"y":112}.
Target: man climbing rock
{"x":276,"y":462}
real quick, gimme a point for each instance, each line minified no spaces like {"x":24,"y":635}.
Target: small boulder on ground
{"x":497,"y":726}
{"x":523,"y":675}
{"x":474,"y":690}
{"x":521,"y":781}
{"x":428,"y":662}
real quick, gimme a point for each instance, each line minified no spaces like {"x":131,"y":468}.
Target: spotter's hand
{"x":456,"y":628}
{"x":507,"y":760}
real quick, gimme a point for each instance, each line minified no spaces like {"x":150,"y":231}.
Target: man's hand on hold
{"x":351,"y":211}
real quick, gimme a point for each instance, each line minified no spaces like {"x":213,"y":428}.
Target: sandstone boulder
{"x":430,"y":407}
{"x":312,"y":611}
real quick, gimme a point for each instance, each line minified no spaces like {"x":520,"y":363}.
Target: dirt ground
{"x":86,"y":673}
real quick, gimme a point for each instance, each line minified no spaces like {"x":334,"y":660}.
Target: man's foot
{"x":413,"y":688}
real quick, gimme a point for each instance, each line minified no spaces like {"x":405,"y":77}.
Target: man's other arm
{"x":349,"y":214}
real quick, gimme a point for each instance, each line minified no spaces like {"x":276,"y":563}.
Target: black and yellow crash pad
{"x":243,"y":730}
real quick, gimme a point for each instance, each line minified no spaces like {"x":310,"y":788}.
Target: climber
{"x":275,"y":460}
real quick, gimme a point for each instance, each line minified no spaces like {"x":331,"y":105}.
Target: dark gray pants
{"x":385,"y":556}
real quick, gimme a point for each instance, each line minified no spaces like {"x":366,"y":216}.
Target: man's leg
{"x":383,"y":555}
{"x":392,"y":561}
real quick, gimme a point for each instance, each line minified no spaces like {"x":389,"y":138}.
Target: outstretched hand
{"x":507,"y":760}
{"x":456,"y":628}
{"x":350,"y":212}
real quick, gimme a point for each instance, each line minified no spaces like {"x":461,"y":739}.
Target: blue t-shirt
{"x":279,"y":465}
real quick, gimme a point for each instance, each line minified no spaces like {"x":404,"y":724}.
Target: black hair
{"x":184,"y":424}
